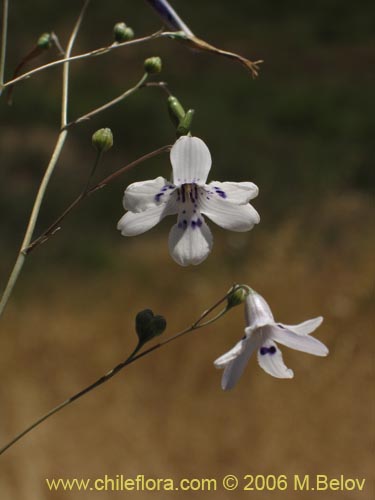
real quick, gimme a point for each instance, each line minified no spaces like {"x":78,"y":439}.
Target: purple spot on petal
{"x":263,"y":350}
{"x":199,"y":222}
{"x":158,"y":196}
{"x":272,"y":349}
{"x":220,"y":192}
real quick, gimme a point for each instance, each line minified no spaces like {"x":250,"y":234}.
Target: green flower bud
{"x":102,"y":140}
{"x":185,"y":124}
{"x":122,"y":33}
{"x":45,"y":41}
{"x":153,"y":65}
{"x":148,"y":326}
{"x":237,"y":297}
{"x":176,"y":111}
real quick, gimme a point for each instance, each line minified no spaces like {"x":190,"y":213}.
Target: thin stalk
{"x":48,"y":173}
{"x":161,"y":85}
{"x":130,"y":359}
{"x":98,"y":157}
{"x":93,"y":53}
{"x":51,"y":230}
{"x":109,"y":104}
{"x":65,"y":91}
{"x":70,"y":400}
{"x":4,"y":34}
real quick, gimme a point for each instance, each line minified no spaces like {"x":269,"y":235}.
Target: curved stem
{"x":109,"y":104}
{"x":70,"y":400}
{"x":130,"y":359}
{"x":4,"y":33}
{"x":93,"y":53}
{"x":48,"y":173}
{"x":51,"y":230}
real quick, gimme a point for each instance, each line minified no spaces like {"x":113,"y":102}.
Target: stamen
{"x":183,"y":194}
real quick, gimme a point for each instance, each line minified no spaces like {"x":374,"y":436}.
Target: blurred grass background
{"x":303,"y":132}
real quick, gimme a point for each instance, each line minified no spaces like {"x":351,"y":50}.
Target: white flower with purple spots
{"x":188,"y":196}
{"x":261,"y":334}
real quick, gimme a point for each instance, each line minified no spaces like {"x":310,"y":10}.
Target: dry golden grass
{"x":166,"y":415}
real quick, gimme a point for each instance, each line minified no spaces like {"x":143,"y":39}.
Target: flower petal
{"x":231,"y":355}
{"x":190,"y":243}
{"x":257,"y":312}
{"x":271,"y":360}
{"x":228,"y":215}
{"x":132,"y":224}
{"x":234,"y":192}
{"x":235,"y":367}
{"x":143,"y":195}
{"x":191,"y":161}
{"x":304,"y":328}
{"x":303,"y":343}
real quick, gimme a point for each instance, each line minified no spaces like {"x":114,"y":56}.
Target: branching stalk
{"x":130,"y":359}
{"x":49,"y":171}
{"x":51,"y":230}
{"x":109,"y":104}
{"x":93,"y":53}
{"x":4,"y":33}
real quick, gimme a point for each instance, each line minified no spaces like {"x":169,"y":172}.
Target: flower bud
{"x":175,"y":109}
{"x":185,"y":124}
{"x":122,"y":33}
{"x":237,"y":297}
{"x":148,"y":326}
{"x":44,"y":41}
{"x":102,"y":140}
{"x":153,"y":65}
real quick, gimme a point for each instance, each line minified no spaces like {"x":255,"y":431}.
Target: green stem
{"x":98,"y":157}
{"x":70,"y":400}
{"x":109,"y":104}
{"x":48,"y":173}
{"x":51,"y":230}
{"x":130,"y":359}
{"x":4,"y":32}
{"x":93,"y":53}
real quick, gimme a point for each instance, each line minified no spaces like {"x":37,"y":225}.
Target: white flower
{"x":261,"y":334}
{"x":190,"y":239}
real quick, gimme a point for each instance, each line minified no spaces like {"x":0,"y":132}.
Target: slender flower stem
{"x":53,"y":228}
{"x":130,"y":359}
{"x":49,"y":171}
{"x":4,"y":32}
{"x":93,"y":53}
{"x":70,"y":400}
{"x":98,"y":157}
{"x":109,"y":104}
{"x":65,"y":92}
{"x":161,"y":85}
